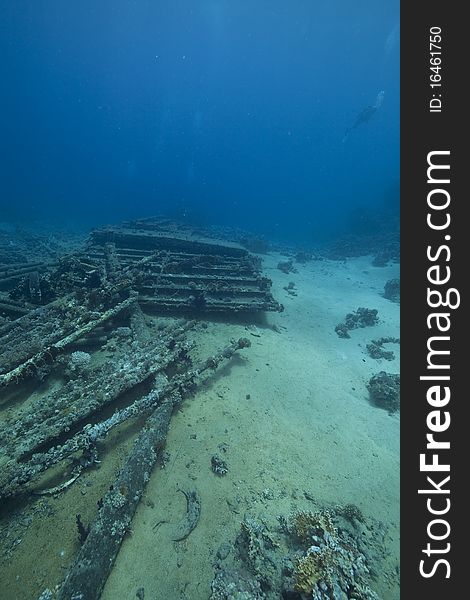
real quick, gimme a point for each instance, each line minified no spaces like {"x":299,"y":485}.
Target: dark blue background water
{"x":229,"y":111}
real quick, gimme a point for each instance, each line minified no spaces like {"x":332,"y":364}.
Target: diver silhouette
{"x":365,"y":115}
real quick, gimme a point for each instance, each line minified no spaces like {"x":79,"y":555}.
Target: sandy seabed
{"x":292,"y":418}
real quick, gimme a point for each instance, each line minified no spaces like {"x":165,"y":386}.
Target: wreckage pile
{"x":183,"y":270}
{"x":92,"y":300}
{"x":171,"y":267}
{"x":95,"y":296}
{"x":25,"y":256}
{"x":150,"y":375}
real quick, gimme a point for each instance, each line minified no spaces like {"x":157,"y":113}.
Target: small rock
{"x":223,"y":551}
{"x":219,"y":466}
{"x":140,"y":594}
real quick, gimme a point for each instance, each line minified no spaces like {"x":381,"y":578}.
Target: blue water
{"x":228,"y":112}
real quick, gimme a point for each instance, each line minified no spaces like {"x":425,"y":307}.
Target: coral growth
{"x":362,"y":317}
{"x":392,"y":290}
{"x":257,"y":546}
{"x":287,"y":266}
{"x":327,"y":554}
{"x":333,"y":566}
{"x":384,"y":390}
{"x":230,"y":584}
{"x":79,"y":359}
{"x":351,"y":512}
{"x":219,"y":466}
{"x":306,"y":524}
{"x":376,"y":348}
{"x":307,"y":572}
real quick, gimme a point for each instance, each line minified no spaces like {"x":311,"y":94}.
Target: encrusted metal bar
{"x":49,"y":353}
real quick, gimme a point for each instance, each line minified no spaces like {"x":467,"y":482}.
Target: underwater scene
{"x":199,"y":300}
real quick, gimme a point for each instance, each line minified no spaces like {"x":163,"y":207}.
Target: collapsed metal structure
{"x":94,"y":298}
{"x":171,"y":266}
{"x":180,"y":269}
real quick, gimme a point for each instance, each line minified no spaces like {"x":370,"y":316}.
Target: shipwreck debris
{"x":182,"y":269}
{"x":193,"y":511}
{"x":37,"y":450}
{"x":89,"y":572}
{"x":45,"y":307}
{"x":83,"y":530}
{"x":88,"y":319}
{"x":219,"y":466}
{"x":49,"y":353}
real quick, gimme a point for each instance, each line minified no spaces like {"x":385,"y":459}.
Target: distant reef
{"x":385,"y":247}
